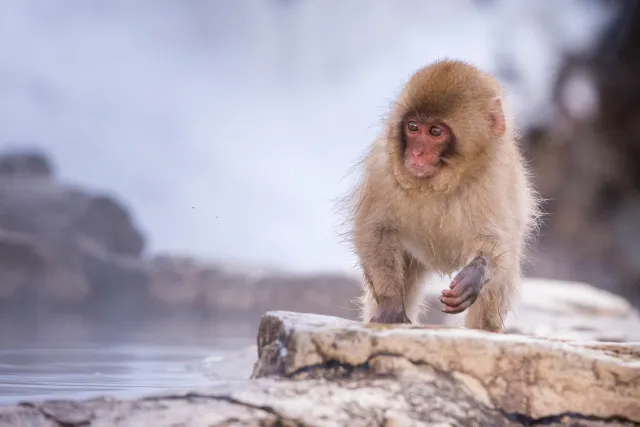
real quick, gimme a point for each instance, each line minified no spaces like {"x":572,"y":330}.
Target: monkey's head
{"x":444,"y":125}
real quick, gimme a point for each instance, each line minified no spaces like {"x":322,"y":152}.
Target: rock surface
{"x":423,"y":400}
{"x":558,"y":309}
{"x":546,"y":309}
{"x":532,"y":377}
{"x":26,"y":163}
{"x":35,"y":203}
{"x":59,"y":244}
{"x":318,"y":370}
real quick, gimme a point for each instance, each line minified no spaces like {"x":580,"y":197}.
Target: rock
{"x":244,"y":293}
{"x":33,"y":270}
{"x":547,"y":309}
{"x":19,"y":258}
{"x":107,"y":222}
{"x":319,"y":370}
{"x":358,"y":403}
{"x":590,"y":231}
{"x":535,"y":378}
{"x":70,"y":274}
{"x":574,"y":310}
{"x":559,"y":309}
{"x":50,"y":210}
{"x":62,"y":246}
{"x":29,"y":162}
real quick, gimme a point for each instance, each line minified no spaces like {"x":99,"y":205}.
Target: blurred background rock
{"x":586,"y":160}
{"x":173,"y":165}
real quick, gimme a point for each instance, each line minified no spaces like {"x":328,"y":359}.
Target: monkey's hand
{"x":465,"y":287}
{"x":390,"y":313}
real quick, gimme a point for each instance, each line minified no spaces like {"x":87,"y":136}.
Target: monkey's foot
{"x":465,"y":287}
{"x":390,"y":314}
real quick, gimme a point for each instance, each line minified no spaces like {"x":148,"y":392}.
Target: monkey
{"x":444,"y":189}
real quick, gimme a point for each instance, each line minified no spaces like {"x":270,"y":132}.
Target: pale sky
{"x":228,"y":126}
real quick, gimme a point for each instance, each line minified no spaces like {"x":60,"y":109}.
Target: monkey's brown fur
{"x":480,"y":204}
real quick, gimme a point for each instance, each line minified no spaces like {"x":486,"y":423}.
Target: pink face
{"x":426,"y":144}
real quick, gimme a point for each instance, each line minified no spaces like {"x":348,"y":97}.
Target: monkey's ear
{"x":496,"y":117}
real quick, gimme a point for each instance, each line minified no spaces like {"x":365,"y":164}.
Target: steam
{"x":228,"y":126}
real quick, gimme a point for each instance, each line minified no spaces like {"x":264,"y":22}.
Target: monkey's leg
{"x":414,"y":277}
{"x":413,"y":293}
{"x":369,"y":304}
{"x":383,"y":261}
{"x":490,"y":309}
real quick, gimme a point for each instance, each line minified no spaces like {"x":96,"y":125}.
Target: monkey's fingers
{"x":460,"y":308}
{"x":466,"y":279}
{"x":471,"y":273}
{"x":466,"y":274}
{"x":456,"y":280}
{"x":456,"y":300}
{"x":459,"y":303}
{"x":450,"y":293}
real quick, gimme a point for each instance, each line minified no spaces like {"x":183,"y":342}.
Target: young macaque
{"x":444,"y":189}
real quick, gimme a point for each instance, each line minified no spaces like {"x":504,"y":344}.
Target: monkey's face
{"x":436,"y":151}
{"x":443,"y":125}
{"x":426,"y":146}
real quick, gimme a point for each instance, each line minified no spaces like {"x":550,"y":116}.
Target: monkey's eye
{"x":435,"y":131}
{"x":413,"y":126}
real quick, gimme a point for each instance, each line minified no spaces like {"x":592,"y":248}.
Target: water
{"x":32,"y":371}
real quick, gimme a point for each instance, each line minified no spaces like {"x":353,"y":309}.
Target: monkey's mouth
{"x":427,"y":163}
{"x":424,"y":169}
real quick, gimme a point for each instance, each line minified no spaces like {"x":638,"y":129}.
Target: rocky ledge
{"x":69,"y":251}
{"x":315,"y":370}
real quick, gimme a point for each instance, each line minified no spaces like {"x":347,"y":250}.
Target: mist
{"x":229,"y":127}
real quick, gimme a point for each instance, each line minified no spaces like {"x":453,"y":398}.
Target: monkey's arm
{"x":382,"y":259}
{"x":466,"y":286}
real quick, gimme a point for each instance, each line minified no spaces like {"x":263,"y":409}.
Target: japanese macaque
{"x":444,"y":189}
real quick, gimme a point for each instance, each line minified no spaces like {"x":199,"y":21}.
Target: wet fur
{"x":483,"y":203}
